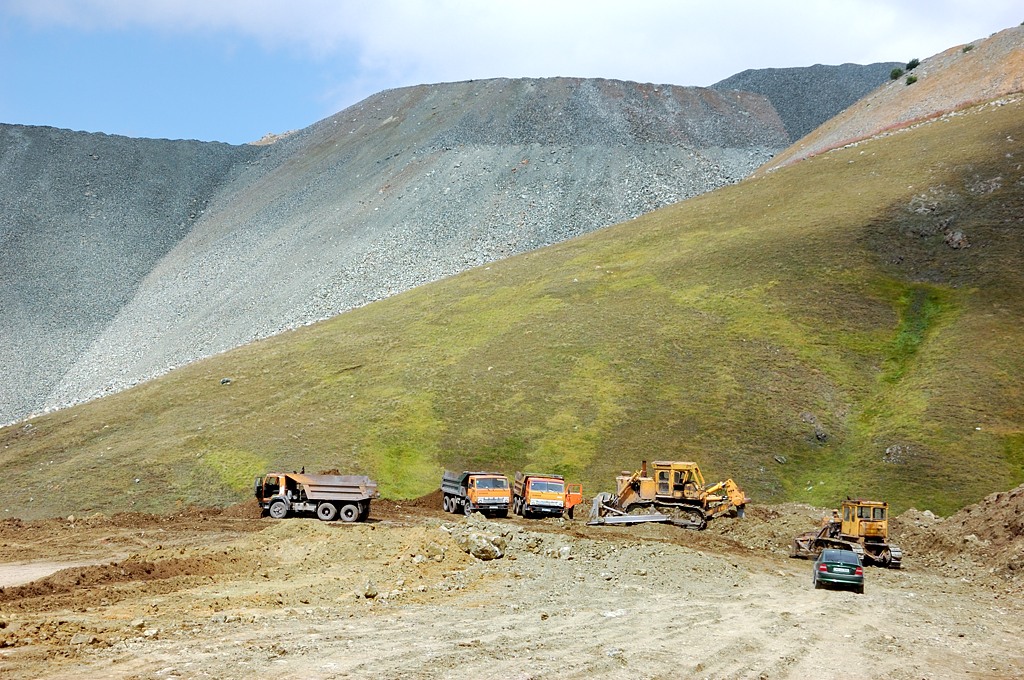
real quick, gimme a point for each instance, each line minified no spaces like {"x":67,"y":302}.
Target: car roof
{"x":834,"y":555}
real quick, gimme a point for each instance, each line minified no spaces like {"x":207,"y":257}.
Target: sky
{"x":235,"y":70}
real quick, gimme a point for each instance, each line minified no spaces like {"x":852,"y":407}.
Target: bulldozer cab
{"x":867,"y":519}
{"x":678,"y":480}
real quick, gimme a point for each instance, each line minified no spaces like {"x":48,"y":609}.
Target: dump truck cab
{"x":468,"y":492}
{"x":539,"y":495}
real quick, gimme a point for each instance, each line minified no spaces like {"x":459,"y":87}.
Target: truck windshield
{"x":491,"y":483}
{"x":540,"y":485}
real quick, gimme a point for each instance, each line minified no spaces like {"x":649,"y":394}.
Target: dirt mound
{"x":157,"y":567}
{"x":250,"y":509}
{"x":770,"y":528}
{"x":988,"y":535}
{"x":998,"y":519}
{"x":431,"y":501}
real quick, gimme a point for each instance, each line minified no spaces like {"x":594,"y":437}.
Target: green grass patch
{"x":231,"y":469}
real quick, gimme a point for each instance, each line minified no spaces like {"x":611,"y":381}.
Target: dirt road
{"x":225,"y":595}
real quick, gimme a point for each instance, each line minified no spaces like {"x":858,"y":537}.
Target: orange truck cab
{"x":535,"y":495}
{"x":469,"y":492}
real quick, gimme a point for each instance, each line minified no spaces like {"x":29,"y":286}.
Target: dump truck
{"x":345,"y":497}
{"x":469,"y":492}
{"x":535,"y":495}
{"x":673,"y":492}
{"x":859,"y":525}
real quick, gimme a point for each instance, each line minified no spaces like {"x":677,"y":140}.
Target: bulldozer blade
{"x":630,"y":519}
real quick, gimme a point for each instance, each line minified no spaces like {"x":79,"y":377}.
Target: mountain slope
{"x":408,"y":186}
{"x":960,"y":76}
{"x":806,"y":97}
{"x":816,"y":332}
{"x":83,"y":219}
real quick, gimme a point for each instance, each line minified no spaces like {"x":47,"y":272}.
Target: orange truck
{"x":535,"y":495}
{"x":469,"y":492}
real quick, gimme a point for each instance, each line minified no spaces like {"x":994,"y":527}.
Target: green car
{"x":839,"y":568}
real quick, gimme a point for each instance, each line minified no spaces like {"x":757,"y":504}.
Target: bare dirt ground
{"x":226,"y":594}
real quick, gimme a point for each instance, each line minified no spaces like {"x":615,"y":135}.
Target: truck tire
{"x":326,"y":511}
{"x":349,"y":512}
{"x":446,"y":504}
{"x":364,"y":511}
{"x":467,"y":509}
{"x":278,"y":510}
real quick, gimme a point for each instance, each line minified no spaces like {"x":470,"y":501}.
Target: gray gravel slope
{"x":406,"y":187}
{"x":807,"y":96}
{"x":83,"y":218}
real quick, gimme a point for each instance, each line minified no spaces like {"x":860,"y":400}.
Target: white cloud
{"x":400,"y":42}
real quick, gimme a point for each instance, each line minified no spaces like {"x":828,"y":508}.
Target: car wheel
{"x":817,"y":584}
{"x":860,"y":589}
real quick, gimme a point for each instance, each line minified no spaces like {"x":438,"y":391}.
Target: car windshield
{"x":491,"y":483}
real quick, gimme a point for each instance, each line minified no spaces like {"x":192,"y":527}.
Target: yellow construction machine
{"x":673,"y":492}
{"x":859,"y":525}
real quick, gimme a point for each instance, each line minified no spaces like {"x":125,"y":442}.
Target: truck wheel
{"x":446,"y":504}
{"x":278,"y":510}
{"x":349,"y":512}
{"x":467,"y":508}
{"x":326,"y":511}
{"x":364,"y":511}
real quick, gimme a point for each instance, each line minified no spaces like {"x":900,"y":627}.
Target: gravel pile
{"x":806,"y":97}
{"x":130,"y":257}
{"x":83,"y":219}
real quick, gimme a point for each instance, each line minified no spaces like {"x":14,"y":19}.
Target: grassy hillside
{"x":809,"y":333}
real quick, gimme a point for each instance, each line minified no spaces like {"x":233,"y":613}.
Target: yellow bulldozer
{"x":859,"y":525}
{"x":670,"y":491}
